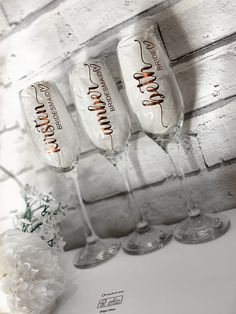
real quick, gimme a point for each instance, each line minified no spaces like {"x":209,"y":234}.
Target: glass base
{"x":147,"y":240}
{"x":202,"y":228}
{"x":96,"y":252}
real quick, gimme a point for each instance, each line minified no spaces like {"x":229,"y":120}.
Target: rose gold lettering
{"x":40,"y":125}
{"x":149,"y":44}
{"x":43,"y":88}
{"x":48,"y":128}
{"x":99,"y":105}
{"x":45,"y":127}
{"x":147,"y":81}
{"x":43,"y":117}
{"x":95,"y":67}
{"x":52,"y":149}
{"x":38,"y":109}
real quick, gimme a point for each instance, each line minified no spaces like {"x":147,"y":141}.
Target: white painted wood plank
{"x":190,"y":25}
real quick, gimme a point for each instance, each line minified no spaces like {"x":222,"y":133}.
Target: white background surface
{"x":178,"y":279}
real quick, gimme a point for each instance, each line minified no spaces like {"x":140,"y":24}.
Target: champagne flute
{"x":106,"y":121}
{"x":56,"y":143}
{"x":155,"y":98}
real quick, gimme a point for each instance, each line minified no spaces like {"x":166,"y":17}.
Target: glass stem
{"x":91,"y":235}
{"x":120,"y":162}
{"x":193,"y":210}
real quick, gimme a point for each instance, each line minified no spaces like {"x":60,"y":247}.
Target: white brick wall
{"x":190,"y":25}
{"x":44,"y":39}
{"x":216,"y":132}
{"x":207,"y":78}
{"x":44,"y":42}
{"x":17,"y":10}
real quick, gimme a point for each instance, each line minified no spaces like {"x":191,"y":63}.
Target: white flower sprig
{"x":43,"y":215}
